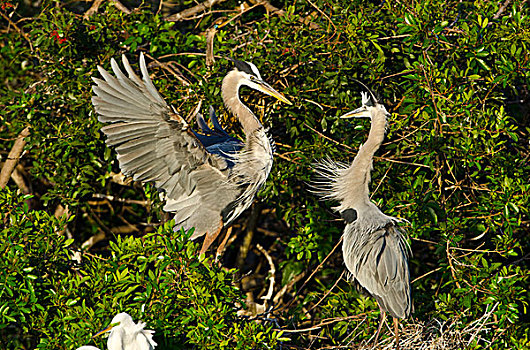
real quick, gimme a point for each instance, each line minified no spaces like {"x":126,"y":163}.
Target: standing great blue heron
{"x":374,"y":249}
{"x":125,"y":335}
{"x":209,"y":179}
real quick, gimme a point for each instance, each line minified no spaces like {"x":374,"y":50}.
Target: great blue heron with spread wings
{"x":374,"y":249}
{"x":124,"y":334}
{"x":209,"y":178}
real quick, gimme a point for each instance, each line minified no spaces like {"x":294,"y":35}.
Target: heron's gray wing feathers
{"x":152,"y":147}
{"x":380,"y":266}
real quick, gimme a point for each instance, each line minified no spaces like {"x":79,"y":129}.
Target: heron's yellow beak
{"x":105,"y":330}
{"x":267,"y":89}
{"x":361,"y":112}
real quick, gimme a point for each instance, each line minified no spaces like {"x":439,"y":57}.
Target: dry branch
{"x":270,"y":8}
{"x":180,"y":77}
{"x":121,"y":200}
{"x":210,"y":35}
{"x":24,"y":35}
{"x":19,"y":180}
{"x":13,"y":157}
{"x":95,"y":6}
{"x":502,"y":8}
{"x":93,"y":240}
{"x":272,"y":273}
{"x":192,"y":11}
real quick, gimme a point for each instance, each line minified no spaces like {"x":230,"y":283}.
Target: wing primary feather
{"x":115,"y":91}
{"x":216,"y":126}
{"x":202,"y":124}
{"x":132,"y":75}
{"x":148,"y":83}
{"x":127,"y":83}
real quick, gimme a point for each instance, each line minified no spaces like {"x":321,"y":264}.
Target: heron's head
{"x":250,"y":76}
{"x":369,"y":107}
{"x":120,"y":320}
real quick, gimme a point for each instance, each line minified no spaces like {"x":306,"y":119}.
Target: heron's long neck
{"x":358,"y":175}
{"x":230,"y":93}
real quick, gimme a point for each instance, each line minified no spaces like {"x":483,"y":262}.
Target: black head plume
{"x":374,"y":99}
{"x":243,"y":66}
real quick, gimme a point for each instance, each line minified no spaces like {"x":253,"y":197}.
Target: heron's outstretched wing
{"x":381,"y":267}
{"x":152,"y":147}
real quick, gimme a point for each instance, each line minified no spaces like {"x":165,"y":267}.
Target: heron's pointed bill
{"x":360,"y":112}
{"x":105,"y":330}
{"x":262,"y":86}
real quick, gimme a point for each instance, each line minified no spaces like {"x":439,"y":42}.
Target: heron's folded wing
{"x":383,"y":271}
{"x":151,"y":146}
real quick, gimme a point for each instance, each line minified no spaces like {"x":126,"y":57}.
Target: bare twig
{"x":93,"y":9}
{"x":24,"y":35}
{"x":210,"y":36}
{"x":271,"y":274}
{"x":194,"y":113}
{"x":502,"y":9}
{"x":18,"y":178}
{"x":121,"y":200}
{"x":180,"y":77}
{"x":121,"y":7}
{"x":324,"y":323}
{"x":192,"y":11}
{"x":287,"y":287}
{"x":93,"y":240}
{"x":241,"y":12}
{"x":95,"y":6}
{"x":328,"y":138}
{"x":318,"y":268}
{"x":329,"y":291}
{"x":269,"y":7}
{"x":323,"y":14}
{"x":13,"y":157}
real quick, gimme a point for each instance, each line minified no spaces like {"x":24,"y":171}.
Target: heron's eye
{"x":349,"y":215}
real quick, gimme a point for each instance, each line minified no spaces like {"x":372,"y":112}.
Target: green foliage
{"x":157,"y":278}
{"x":454,"y":76}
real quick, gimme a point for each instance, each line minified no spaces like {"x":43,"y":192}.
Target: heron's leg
{"x":221,"y":248}
{"x":396,"y":331}
{"x":381,"y":321}
{"x":209,"y":238}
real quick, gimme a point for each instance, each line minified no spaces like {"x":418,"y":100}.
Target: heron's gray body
{"x":208,"y":178}
{"x":374,"y":249}
{"x":375,"y":253}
